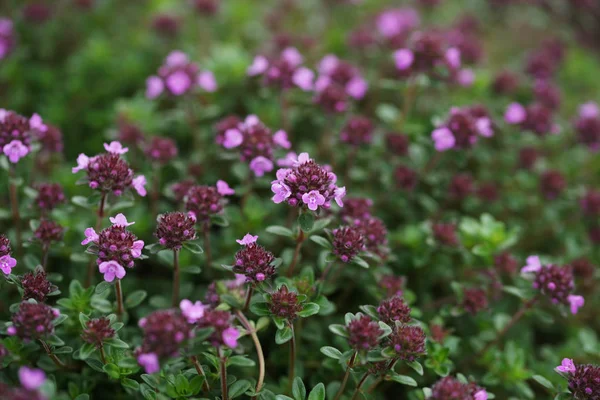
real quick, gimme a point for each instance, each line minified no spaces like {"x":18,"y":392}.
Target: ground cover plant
{"x":307,"y":200}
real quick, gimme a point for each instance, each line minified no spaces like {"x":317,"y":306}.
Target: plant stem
{"x":249,"y":293}
{"x":53,"y":356}
{"x":14,"y":203}
{"x":45,"y":251}
{"x":284,"y":111}
{"x":346,"y":375}
{"x":155,"y":191}
{"x":223,"y":369}
{"x":102,"y":355}
{"x":200,"y":371}
{"x":175,"y":301}
{"x":119,"y":294}
{"x":323,"y":279}
{"x":259,"y":351}
{"x":206,"y":233}
{"x":99,"y":217}
{"x":292,"y":368}
{"x":299,"y":242}
{"x":374,"y":385}
{"x":359,"y":386}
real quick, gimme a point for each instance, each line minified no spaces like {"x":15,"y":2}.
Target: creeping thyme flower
{"x":527,"y":157}
{"x":7,"y":38}
{"x":506,"y":263}
{"x":397,"y":143}
{"x":192,"y":311}
{"x":204,"y":201}
{"x":33,"y":321}
{"x":394,"y":309}
{"x":348,"y":242}
{"x":31,"y":378}
{"x":450,"y":388}
{"x":375,"y":233}
{"x":211,"y":297}
{"x":461,"y":186}
{"x":337,"y":82}
{"x":392,"y":284}
{"x":406,"y":178}
{"x":4,"y":246}
{"x":552,"y":183}
{"x":536,"y":118}
{"x":357,"y":131}
{"x":48,"y":232}
{"x":36,"y":286}
{"x":166,"y":25}
{"x":462,"y":128}
{"x":356,"y":208}
{"x":165,"y":332}
{"x":16,"y":133}
{"x":97,"y":330}
{"x":332,"y":98}
{"x":285,"y":71}
{"x":284,"y":303}
{"x":408,"y":342}
{"x":363,"y":333}
{"x":180,"y":189}
{"x":583,"y":379}
{"x":149,"y":361}
{"x":474,"y":300}
{"x":253,"y":261}
{"x":445,"y":234}
{"x":587,"y":125}
{"x":128,"y":132}
{"x":224,"y":333}
{"x":505,"y":83}
{"x":7,"y":262}
{"x":206,"y":7}
{"x":395,"y":24}
{"x":307,"y":184}
{"x":590,"y":203}
{"x":161,"y":149}
{"x":49,"y":195}
{"x":547,"y":94}
{"x":174,"y":229}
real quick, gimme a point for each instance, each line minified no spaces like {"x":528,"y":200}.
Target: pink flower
{"x":566,"y":366}
{"x":139,"y":183}
{"x":281,"y":139}
{"x":292,"y":56}
{"x":339,"y":194}
{"x":533,"y":265}
{"x":302,"y":158}
{"x":149,"y":361}
{"x":233,"y":138}
{"x":247,"y":239}
{"x":357,"y":87}
{"x":115,"y":148}
{"x":589,"y":110}
{"x":7,"y":263}
{"x":90,"y":236}
{"x":178,"y":83}
{"x":481,"y":395}
{"x":15,"y":150}
{"x":404,"y":59}
{"x":120,"y":220}
{"x":259,"y":66}
{"x":515,"y":114}
{"x":224,"y":189}
{"x":154,"y":87}
{"x":453,"y":57}
{"x":250,"y":121}
{"x":303,"y":78}
{"x":230,"y":337}
{"x":260,"y":277}
{"x":192,"y":311}
{"x":35,"y":122}
{"x":82,"y":163}
{"x":259,"y":165}
{"x":288,"y":160}
{"x":207,"y":81}
{"x":237,"y":282}
{"x":576,"y":302}
{"x":443,"y":139}
{"x":313,"y":199}
{"x":176,"y":58}
{"x":484,"y":127}
{"x":111,"y":269}
{"x":136,"y":249}
{"x":328,"y":64}
{"x":465,"y":77}
{"x":322,"y":83}
{"x":281,"y":190}
{"x":31,"y":378}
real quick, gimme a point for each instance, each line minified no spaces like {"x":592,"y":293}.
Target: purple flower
{"x":82,"y":163}
{"x":7,"y":263}
{"x":443,"y":139}
{"x":566,"y":366}
{"x":120,"y":220}
{"x":230,"y":337}
{"x":339,"y":194}
{"x":35,"y":122}
{"x":90,"y":236}
{"x":575,"y":302}
{"x":292,"y":56}
{"x":281,"y":190}
{"x":481,"y":395}
{"x":139,"y":183}
{"x":150,"y":362}
{"x":533,"y":265}
{"x":280,"y":138}
{"x":154,"y":87}
{"x":233,"y":138}
{"x":178,"y":82}
{"x":484,"y":127}
{"x":111,"y":269}
{"x":136,"y":249}
{"x":302,"y":158}
{"x":404,"y":59}
{"x":313,"y":199}
{"x":207,"y":81}
{"x":192,"y":311}
{"x":465,"y":78}
{"x":328,"y":64}
{"x":15,"y":150}
{"x":31,"y":378}
{"x":224,"y":189}
{"x":176,"y":58}
{"x":288,"y":160}
{"x":259,"y":165}
{"x":357,"y":87}
{"x":115,"y":148}
{"x":452,"y":56}
{"x":258,"y":67}
{"x":589,"y":110}
{"x":515,"y":114}
{"x":303,"y":78}
{"x":247,"y":239}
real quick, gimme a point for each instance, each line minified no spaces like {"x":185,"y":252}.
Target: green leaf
{"x":86,"y":350}
{"x":118,"y":343}
{"x":309,"y":309}
{"x":321,"y":241}
{"x":130,"y":384}
{"x":283,"y":335}
{"x":544,"y":382}
{"x":260,"y":309}
{"x":63,"y":350}
{"x":181,"y":383}
{"x":102,"y":287}
{"x":240,"y":361}
{"x":318,"y":392}
{"x":193,"y":247}
{"x":112,"y":370}
{"x":238,"y":388}
{"x":520,"y":293}
{"x":280,"y":231}
{"x":339,"y":330}
{"x":83,"y":396}
{"x":298,"y":389}
{"x":403,"y":379}
{"x":83,"y":320}
{"x":416,"y":366}
{"x":306,"y":221}
{"x":331,"y":352}
{"x":135,"y":298}
{"x":219,"y":219}
{"x":360,"y":262}
{"x":55,"y":341}
{"x":81,"y":202}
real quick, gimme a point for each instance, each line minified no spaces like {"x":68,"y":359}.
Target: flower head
{"x":49,"y":195}
{"x":111,"y":269}
{"x":165,"y":332}
{"x":364,"y":333}
{"x":7,"y":263}
{"x":407,"y":341}
{"x":31,"y":378}
{"x":139,"y":185}
{"x":97,"y":330}
{"x":313,"y":199}
{"x":284,"y":303}
{"x":247,"y":240}
{"x":254,"y":261}
{"x":348,"y":242}
{"x":149,"y":361}
{"x":192,"y":311}
{"x":36,"y":286}
{"x":575,"y":302}
{"x":161,"y":149}
{"x":115,"y":147}
{"x":394,"y":309}
{"x":566,"y":366}
{"x":174,"y":229}
{"x":120,"y":220}
{"x":33,"y":321}
{"x":230,"y":337}
{"x":224,"y":333}
{"x":48,"y":232}
{"x":205,"y":201}
{"x":533,"y":265}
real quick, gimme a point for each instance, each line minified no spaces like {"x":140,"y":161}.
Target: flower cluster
{"x":17,"y":132}
{"x":395,"y":25}
{"x":356,"y":208}
{"x":552,"y":183}
{"x":49,"y":195}
{"x":450,"y":388}
{"x":178,"y":76}
{"x":224,"y":333}
{"x":33,"y":321}
{"x":357,"y":131}
{"x":407,"y":341}
{"x":307,"y":184}
{"x":108,"y":172}
{"x":363,"y":333}
{"x":445,"y":233}
{"x":583,"y":379}
{"x":174,"y":229}
{"x":284,"y":303}
{"x":462,"y":128}
{"x":31,"y":380}
{"x":7,"y":39}
{"x":7,"y":262}
{"x":536,"y":118}
{"x":253,"y":261}
{"x":204,"y":201}
{"x":48,"y":232}
{"x":587,"y":125}
{"x":337,"y":82}
{"x":255,"y":141}
{"x":285,"y":71}
{"x":375,"y":233}
{"x":161,"y":149}
{"x":348,"y":242}
{"x":394,"y":309}
{"x":474,"y":300}
{"x":406,"y":178}
{"x":36,"y":286}
{"x":97,"y":330}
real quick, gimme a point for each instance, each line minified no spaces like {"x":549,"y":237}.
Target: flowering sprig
{"x":462,"y":128}
{"x":285,"y":71}
{"x":583,"y":379}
